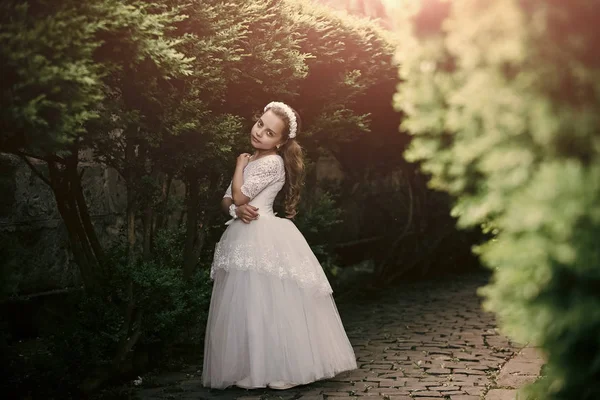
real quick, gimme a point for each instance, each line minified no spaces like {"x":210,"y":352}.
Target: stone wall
{"x":35,"y":249}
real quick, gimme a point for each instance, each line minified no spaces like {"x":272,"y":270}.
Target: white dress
{"x":272,"y":316}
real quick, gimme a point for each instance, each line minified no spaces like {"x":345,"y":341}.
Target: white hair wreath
{"x":288,"y":112}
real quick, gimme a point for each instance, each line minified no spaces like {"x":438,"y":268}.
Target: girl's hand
{"x":243,"y":160}
{"x":247,"y":213}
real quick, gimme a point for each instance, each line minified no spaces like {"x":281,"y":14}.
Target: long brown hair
{"x":293,"y":159}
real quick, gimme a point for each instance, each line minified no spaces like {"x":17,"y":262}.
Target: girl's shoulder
{"x":272,"y":157}
{"x":270,"y":160}
{"x":272,"y":164}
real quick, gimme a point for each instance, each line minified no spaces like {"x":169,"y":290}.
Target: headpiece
{"x":288,"y":112}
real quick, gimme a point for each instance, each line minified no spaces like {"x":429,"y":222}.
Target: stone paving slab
{"x":520,"y":370}
{"x":425,"y":340}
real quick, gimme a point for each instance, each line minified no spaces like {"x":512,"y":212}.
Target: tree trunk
{"x":130,"y":176}
{"x":388,"y":262}
{"x":182,"y":212}
{"x":83,"y":211}
{"x":161,"y":216}
{"x":147,"y":218}
{"x":67,"y":207}
{"x":196,"y":227}
{"x":147,"y":223}
{"x":191,"y":225}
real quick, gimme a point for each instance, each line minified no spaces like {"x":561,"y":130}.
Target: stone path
{"x":425,"y":341}
{"x":520,"y":370}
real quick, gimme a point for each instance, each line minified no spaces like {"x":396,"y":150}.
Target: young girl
{"x":272,"y":320}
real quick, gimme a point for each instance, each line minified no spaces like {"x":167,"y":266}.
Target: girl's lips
{"x":255,"y":139}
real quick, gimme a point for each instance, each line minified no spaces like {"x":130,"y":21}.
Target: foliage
{"x":351,"y":64}
{"x":320,"y":217}
{"x":175,"y":85}
{"x":356,"y":57}
{"x":171,"y":304}
{"x":368,"y":8}
{"x":502,"y":99}
{"x":87,"y":334}
{"x":66,"y":61}
{"x":50,"y":52}
{"x":48,"y":92}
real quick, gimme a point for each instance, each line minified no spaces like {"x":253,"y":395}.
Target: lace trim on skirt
{"x":306,"y":271}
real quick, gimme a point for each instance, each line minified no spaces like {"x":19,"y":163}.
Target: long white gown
{"x":272,"y":315}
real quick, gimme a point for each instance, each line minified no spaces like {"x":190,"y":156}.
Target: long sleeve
{"x":261,"y":175}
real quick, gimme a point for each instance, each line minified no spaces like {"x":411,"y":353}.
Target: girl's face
{"x":267,"y":132}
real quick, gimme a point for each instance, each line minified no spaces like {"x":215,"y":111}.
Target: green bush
{"x":502,"y":99}
{"x":319,"y":216}
{"x":87,"y":335}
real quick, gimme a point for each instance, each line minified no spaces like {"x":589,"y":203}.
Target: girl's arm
{"x":246,"y":212}
{"x":239,"y":198}
{"x":266,"y":172}
{"x":225,"y":203}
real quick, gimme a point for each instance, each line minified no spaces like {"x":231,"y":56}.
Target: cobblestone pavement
{"x":424,"y":340}
{"x":520,"y":370}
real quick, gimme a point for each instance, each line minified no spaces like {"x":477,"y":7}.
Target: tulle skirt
{"x":268,"y":327}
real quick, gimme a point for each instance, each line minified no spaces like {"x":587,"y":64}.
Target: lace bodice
{"x":263,"y":179}
{"x":268,"y":245}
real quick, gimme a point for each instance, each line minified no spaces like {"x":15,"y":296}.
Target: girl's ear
{"x":281,"y":143}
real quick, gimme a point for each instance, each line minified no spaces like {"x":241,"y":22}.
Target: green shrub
{"x":502,"y":99}
{"x":317,"y":219}
{"x":88,"y":332}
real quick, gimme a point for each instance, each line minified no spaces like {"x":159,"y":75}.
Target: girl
{"x":272,"y":320}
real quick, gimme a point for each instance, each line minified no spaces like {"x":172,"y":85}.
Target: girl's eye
{"x":259,"y":122}
{"x":270,"y":133}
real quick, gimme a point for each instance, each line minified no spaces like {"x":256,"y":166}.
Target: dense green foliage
{"x":502,"y":99}
{"x":374,"y":9}
{"x":50,"y":51}
{"x":78,"y":344}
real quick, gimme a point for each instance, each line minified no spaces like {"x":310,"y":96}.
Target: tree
{"x":351,"y":83}
{"x":66,"y":61}
{"x":232,"y":43}
{"x":376,"y":9}
{"x":62,"y":59}
{"x":502,"y":100}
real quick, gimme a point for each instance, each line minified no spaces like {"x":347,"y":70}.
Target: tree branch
{"x":49,"y":158}
{"x":35,"y":170}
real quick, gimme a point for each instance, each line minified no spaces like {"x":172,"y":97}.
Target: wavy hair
{"x":293,"y":158}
